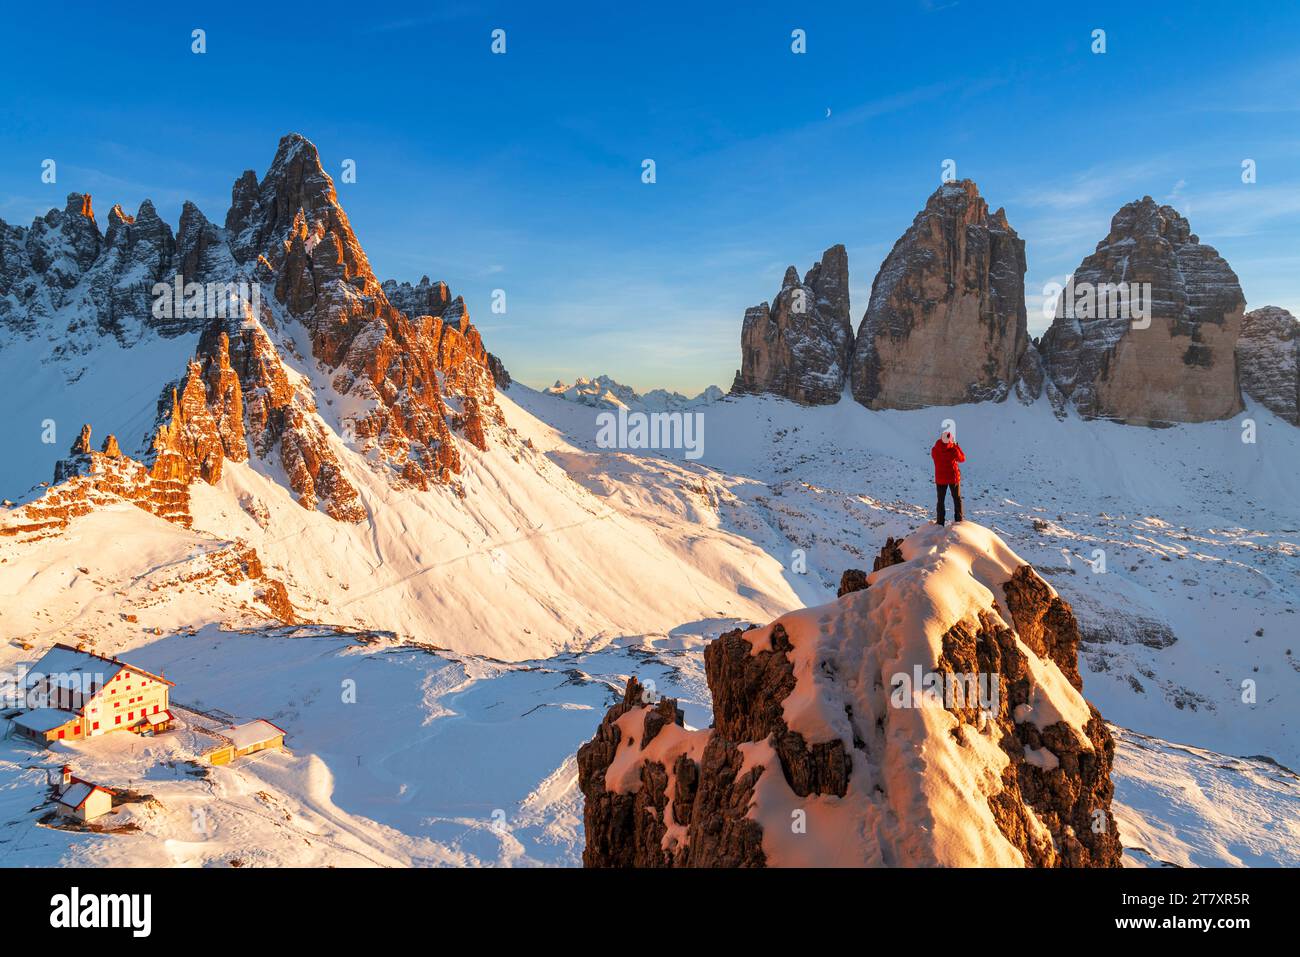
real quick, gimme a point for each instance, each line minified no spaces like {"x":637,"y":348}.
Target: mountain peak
{"x":79,"y":205}
{"x":292,"y":144}
{"x":956,"y":275}
{"x":1160,"y":347}
{"x":264,"y":212}
{"x":414,"y":369}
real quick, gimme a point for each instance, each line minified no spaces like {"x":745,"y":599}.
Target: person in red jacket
{"x":947,"y":474}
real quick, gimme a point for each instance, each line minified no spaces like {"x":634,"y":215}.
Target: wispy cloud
{"x":444,"y":14}
{"x":1093,"y":186}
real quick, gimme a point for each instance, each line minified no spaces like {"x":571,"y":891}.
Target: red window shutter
{"x":118,"y":719}
{"x":130,"y":716}
{"x":155,"y":709}
{"x":60,"y":732}
{"x":96,"y":727}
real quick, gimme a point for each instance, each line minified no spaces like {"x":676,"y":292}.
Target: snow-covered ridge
{"x":602,"y":392}
{"x":820,"y":723}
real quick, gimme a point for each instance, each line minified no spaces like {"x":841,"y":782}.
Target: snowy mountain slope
{"x":527,"y":563}
{"x":1200,"y":537}
{"x":363,"y":451}
{"x":116,"y":574}
{"x":121,"y":384}
{"x":1183,"y":806}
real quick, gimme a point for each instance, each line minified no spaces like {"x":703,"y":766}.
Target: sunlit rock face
{"x":1268,"y":353}
{"x":946,"y":321}
{"x":799,"y":346}
{"x":299,"y":353}
{"x":932,"y":716}
{"x":422,"y":377}
{"x":1146,"y":333}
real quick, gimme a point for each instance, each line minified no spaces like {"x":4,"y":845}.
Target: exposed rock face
{"x":800,"y":346}
{"x":853,"y":579}
{"x":891,"y":553}
{"x":277,"y":420}
{"x":87,"y":478}
{"x":413,"y":372}
{"x":500,"y":375}
{"x":204,"y":424}
{"x":1268,"y":354}
{"x":946,"y":322}
{"x":1106,"y":360}
{"x":423,"y":376}
{"x":423,"y":299}
{"x":823,"y":751}
{"x":63,"y":270}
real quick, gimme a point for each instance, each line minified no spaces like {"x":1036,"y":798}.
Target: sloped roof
{"x":78,"y":792}
{"x":254,"y":732}
{"x":43,"y":719}
{"x":66,"y":667}
{"x":79,"y":669}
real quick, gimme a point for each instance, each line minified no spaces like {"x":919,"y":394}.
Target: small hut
{"x":259,"y":735}
{"x":81,"y":800}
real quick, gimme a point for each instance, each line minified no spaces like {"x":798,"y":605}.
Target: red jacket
{"x":946,"y":457}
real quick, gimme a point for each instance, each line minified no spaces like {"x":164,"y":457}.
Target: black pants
{"x":956,"y":502}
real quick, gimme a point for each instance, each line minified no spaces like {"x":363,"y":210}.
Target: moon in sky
{"x":828,"y":112}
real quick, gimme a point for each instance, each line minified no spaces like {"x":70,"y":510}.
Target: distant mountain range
{"x":602,"y":392}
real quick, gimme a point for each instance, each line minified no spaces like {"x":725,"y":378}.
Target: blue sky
{"x":523,"y":171}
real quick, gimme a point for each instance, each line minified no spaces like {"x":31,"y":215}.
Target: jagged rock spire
{"x":946,"y":322}
{"x":799,"y":347}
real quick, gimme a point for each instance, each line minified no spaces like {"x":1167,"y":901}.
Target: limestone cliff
{"x":946,"y":321}
{"x":799,"y":346}
{"x":1268,"y":354}
{"x":1146,"y":331}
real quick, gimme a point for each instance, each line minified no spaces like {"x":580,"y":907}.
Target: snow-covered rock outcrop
{"x":934,"y":717}
{"x":799,"y":347}
{"x":1146,"y":332}
{"x":946,"y":321}
{"x":62,"y":272}
{"x":1268,"y":354}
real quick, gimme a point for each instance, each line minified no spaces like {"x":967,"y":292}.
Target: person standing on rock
{"x":947,"y":475}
